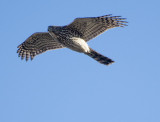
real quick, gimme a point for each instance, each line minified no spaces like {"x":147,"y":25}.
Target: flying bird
{"x":73,"y":36}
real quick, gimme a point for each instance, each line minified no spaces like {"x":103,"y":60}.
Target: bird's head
{"x":50,"y":28}
{"x":54,"y":29}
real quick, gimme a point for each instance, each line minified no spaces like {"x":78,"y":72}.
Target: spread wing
{"x":93,"y":26}
{"x":37,"y":43}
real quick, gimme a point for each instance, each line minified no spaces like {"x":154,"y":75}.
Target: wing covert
{"x":36,"y":44}
{"x":93,"y":26}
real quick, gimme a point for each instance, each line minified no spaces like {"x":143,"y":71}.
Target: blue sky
{"x":66,"y":86}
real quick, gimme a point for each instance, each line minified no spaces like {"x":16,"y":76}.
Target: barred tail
{"x":100,"y":58}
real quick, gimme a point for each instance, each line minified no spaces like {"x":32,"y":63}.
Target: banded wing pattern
{"x":36,"y":44}
{"x":91,"y":27}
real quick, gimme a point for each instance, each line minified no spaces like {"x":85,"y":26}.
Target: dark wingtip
{"x":23,"y":54}
{"x":120,"y":22}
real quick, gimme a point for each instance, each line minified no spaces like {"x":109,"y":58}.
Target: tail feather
{"x":100,"y":58}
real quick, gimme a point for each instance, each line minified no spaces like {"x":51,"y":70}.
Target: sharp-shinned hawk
{"x":73,"y":36}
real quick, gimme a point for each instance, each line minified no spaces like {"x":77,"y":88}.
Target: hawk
{"x":73,"y":36}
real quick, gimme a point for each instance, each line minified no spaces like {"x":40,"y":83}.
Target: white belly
{"x":80,"y":44}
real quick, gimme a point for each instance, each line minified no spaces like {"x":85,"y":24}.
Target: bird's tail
{"x":100,"y":58}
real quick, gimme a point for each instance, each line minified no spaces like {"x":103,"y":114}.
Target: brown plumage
{"x":73,"y":36}
{"x":36,"y":44}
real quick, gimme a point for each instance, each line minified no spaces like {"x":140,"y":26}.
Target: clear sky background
{"x":66,"y":86}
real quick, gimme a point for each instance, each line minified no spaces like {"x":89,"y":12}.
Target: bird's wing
{"x":93,"y":26}
{"x":37,"y":43}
